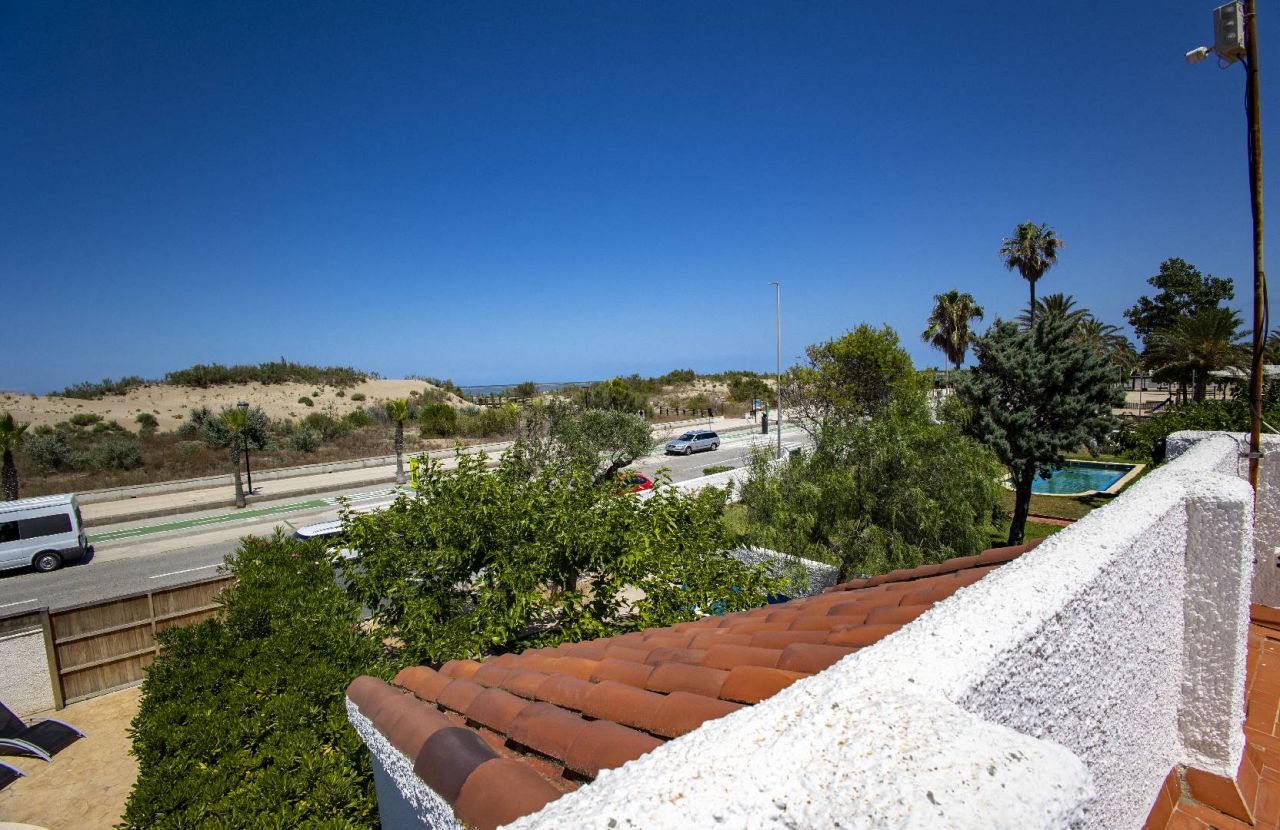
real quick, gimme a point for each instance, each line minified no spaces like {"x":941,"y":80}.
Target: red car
{"x":633,"y":483}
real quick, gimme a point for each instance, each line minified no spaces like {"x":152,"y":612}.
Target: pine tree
{"x":1033,"y":395}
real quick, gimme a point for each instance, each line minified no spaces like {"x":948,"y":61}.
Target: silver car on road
{"x":694,"y":441}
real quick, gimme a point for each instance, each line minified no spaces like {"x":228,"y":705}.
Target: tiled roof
{"x":500,"y":738}
{"x":1196,"y":800}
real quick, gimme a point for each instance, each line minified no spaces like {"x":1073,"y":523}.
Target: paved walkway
{"x":86,"y":784}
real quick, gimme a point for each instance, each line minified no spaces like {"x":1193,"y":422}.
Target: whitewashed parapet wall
{"x":1266,"y":549}
{"x":1056,"y":692}
{"x":804,"y":577}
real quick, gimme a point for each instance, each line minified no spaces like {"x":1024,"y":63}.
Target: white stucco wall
{"x":805,"y":577}
{"x":403,"y":800}
{"x":25,"y":686}
{"x":1057,"y":692}
{"x":1266,"y":574}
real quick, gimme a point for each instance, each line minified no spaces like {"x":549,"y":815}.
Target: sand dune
{"x":170,"y":404}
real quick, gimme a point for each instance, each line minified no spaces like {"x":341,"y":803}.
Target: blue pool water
{"x":1077,"y":477}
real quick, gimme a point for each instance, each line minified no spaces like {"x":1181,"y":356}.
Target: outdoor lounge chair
{"x":8,"y":775}
{"x":43,"y":739}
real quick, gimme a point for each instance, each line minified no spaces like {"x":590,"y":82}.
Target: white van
{"x":42,"y":532}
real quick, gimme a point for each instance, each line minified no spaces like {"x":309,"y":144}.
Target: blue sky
{"x":496,"y":192}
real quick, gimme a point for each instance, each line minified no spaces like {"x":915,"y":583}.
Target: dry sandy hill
{"x":170,"y":404}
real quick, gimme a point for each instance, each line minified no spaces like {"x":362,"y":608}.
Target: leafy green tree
{"x":747,"y":388}
{"x":242,"y":720}
{"x":949,"y":328}
{"x":528,"y":389}
{"x":236,"y":422}
{"x":398,"y":411}
{"x":481,"y":562}
{"x":10,"y":436}
{"x":438,"y":420}
{"x":1033,"y":395}
{"x":1181,"y":291}
{"x":851,"y":377}
{"x":1197,"y":344}
{"x":616,"y":394}
{"x":897,"y":490}
{"x":560,"y":435}
{"x":1031,"y":251}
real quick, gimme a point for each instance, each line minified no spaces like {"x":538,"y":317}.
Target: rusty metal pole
{"x":1255,"y":203}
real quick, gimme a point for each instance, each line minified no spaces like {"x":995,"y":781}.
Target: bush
{"x":324,"y":425}
{"x":716,"y":468}
{"x":340,"y":393}
{"x":357,"y":419}
{"x":1146,"y":440}
{"x":113,"y":453}
{"x":358,"y":396}
{"x":84,"y":419}
{"x":107,"y":386}
{"x":242,"y":721}
{"x":305,"y":440}
{"x":484,"y":561}
{"x":438,"y":420}
{"x":305,"y":401}
{"x":215,"y":374}
{"x":48,"y":449}
{"x":147,"y":423}
{"x":748,"y":388}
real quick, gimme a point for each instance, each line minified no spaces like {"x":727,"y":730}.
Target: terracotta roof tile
{"x":496,"y":709}
{"x":752,"y":684}
{"x":604,"y":744}
{"x":407,"y":723}
{"x":459,"y":668}
{"x":860,"y":635}
{"x":681,"y":677}
{"x":490,"y":674}
{"x":563,"y":690}
{"x":517,"y":730}
{"x":900,"y":615}
{"x":547,"y":729}
{"x":810,"y":658}
{"x":524,"y":682}
{"x":692,"y":656}
{"x":705,"y":641}
{"x":726,"y":657}
{"x":624,"y":704}
{"x":448,"y":757}
{"x":682,"y":712}
{"x":500,"y":791}
{"x":623,"y":671}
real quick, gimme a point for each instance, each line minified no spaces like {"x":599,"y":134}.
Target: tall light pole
{"x":777,"y":287}
{"x":1235,"y":37}
{"x":244,"y":406}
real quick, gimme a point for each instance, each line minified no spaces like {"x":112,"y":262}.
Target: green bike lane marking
{"x":222,"y":518}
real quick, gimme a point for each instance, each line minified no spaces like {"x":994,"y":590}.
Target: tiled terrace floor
{"x":1196,"y":801}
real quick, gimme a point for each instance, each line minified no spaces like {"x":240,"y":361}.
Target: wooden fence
{"x":103,"y":646}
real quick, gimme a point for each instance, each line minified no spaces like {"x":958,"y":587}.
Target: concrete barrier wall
{"x":1056,"y":692}
{"x":25,"y":686}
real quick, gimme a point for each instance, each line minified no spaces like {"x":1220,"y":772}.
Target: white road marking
{"x":187,"y":571}
{"x":19,"y":602}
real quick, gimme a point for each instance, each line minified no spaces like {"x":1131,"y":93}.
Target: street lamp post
{"x":777,"y":286}
{"x":244,"y":405}
{"x":1235,"y":37}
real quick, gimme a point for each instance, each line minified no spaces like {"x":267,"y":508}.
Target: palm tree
{"x":1197,"y":344}
{"x":236,"y":421}
{"x":398,"y":410}
{"x":1058,"y":305}
{"x":1032,"y":251}
{"x":948,"y":329}
{"x":10,"y":434}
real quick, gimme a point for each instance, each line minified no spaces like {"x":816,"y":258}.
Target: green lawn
{"x":1033,"y":530}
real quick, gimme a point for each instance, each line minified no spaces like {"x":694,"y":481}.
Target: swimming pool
{"x":1081,"y":477}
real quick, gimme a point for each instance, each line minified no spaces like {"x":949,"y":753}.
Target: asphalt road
{"x":157,"y":557}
